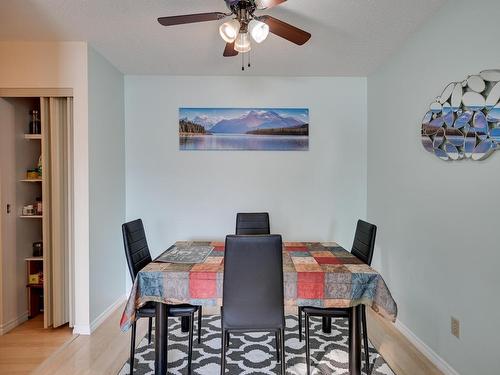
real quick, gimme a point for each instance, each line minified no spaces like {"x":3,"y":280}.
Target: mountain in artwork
{"x":205,"y":121}
{"x":254,"y":120}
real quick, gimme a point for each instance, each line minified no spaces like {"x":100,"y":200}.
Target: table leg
{"x":327,"y":324}
{"x":355,"y":340}
{"x":161,"y":335}
{"x":185,"y":324}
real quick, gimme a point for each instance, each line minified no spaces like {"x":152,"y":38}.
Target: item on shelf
{"x":39,"y":167}
{"x":28,"y":210}
{"x":32,"y":174}
{"x":34,"y":278}
{"x":39,"y":206}
{"x":35,"y":123}
{"x":38,"y":249}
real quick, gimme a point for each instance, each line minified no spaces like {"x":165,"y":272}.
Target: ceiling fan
{"x":245,"y":25}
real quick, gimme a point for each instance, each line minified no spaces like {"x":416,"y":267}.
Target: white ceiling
{"x":350,"y":37}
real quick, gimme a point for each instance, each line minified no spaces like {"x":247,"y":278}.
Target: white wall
{"x":107,"y":185}
{"x":314,"y":195}
{"x":437,"y":244}
{"x":61,"y":65}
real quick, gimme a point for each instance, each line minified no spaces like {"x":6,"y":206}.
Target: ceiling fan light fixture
{"x":260,"y":4}
{"x":242,"y":43}
{"x":229,"y":30}
{"x":259,"y":30}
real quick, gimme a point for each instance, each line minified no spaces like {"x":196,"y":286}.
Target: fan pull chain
{"x":242,"y":62}
{"x":249,"y":59}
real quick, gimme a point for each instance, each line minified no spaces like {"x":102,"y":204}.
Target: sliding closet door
{"x":56,"y":115}
{"x":46,"y":197}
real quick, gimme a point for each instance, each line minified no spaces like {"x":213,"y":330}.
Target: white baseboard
{"x":106,"y":313}
{"x":81,"y":329}
{"x":85,"y":329}
{"x":13,"y":323}
{"x":439,"y":362}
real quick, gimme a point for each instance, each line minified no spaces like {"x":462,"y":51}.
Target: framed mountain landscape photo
{"x":257,"y":129}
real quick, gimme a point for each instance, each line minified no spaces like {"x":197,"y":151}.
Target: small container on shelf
{"x":37,"y":249}
{"x":32,"y":174}
{"x":39,"y":206}
{"x":35,"y":126}
{"x":28,"y":210}
{"x":39,"y":167}
{"x":34,"y":279}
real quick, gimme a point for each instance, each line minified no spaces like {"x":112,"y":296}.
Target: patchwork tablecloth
{"x":315,"y":274}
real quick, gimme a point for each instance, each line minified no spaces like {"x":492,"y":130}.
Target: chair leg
{"x":278,"y":344}
{"x":132,"y":348}
{"x":150,"y":328}
{"x":308,"y":352}
{"x":299,"y":314}
{"x":200,"y":316}
{"x":282,"y":350}
{"x":223,"y":352}
{"x":190,"y":349}
{"x":365,"y":339}
{"x":227,"y":339}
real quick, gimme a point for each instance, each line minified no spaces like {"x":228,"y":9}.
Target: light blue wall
{"x":437,"y":247}
{"x":107,"y":183}
{"x":181,"y":195}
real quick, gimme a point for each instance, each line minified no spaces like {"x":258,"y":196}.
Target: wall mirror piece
{"x":464,"y":121}
{"x":476,"y":83}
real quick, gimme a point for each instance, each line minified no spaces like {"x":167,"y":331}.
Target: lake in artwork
{"x":257,"y":129}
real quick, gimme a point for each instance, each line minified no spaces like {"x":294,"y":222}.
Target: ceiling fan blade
{"x":191,"y":18}
{"x":285,"y":30}
{"x":266,"y":4}
{"x":229,"y":51}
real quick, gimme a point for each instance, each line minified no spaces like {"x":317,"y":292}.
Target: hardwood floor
{"x":27,"y":346}
{"x":104,"y":352}
{"x":107,"y":349}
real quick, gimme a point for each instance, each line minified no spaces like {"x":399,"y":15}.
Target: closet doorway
{"x":36,"y":247}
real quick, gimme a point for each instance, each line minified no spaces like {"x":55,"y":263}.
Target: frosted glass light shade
{"x":229,"y":30}
{"x":242,"y":43}
{"x":258,"y":30}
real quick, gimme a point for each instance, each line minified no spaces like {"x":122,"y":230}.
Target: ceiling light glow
{"x":229,"y":30}
{"x":242,"y":43}
{"x":258,"y":30}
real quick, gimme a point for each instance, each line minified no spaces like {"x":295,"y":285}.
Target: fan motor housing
{"x":236,"y":6}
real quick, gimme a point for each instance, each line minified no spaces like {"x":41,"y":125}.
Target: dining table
{"x":321,"y":274}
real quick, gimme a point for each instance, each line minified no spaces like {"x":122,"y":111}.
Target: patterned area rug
{"x":255,"y":353}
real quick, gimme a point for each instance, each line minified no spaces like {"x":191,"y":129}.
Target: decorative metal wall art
{"x":464,"y":121}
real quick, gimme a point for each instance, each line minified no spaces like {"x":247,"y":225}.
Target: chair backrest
{"x":253,"y":283}
{"x":136,"y":246}
{"x":364,"y":241}
{"x":252,"y":223}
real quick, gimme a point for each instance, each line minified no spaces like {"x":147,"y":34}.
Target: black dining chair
{"x":362,"y":248}
{"x":254,"y":223}
{"x":251,"y":223}
{"x":138,"y":256}
{"x":253,"y":299}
